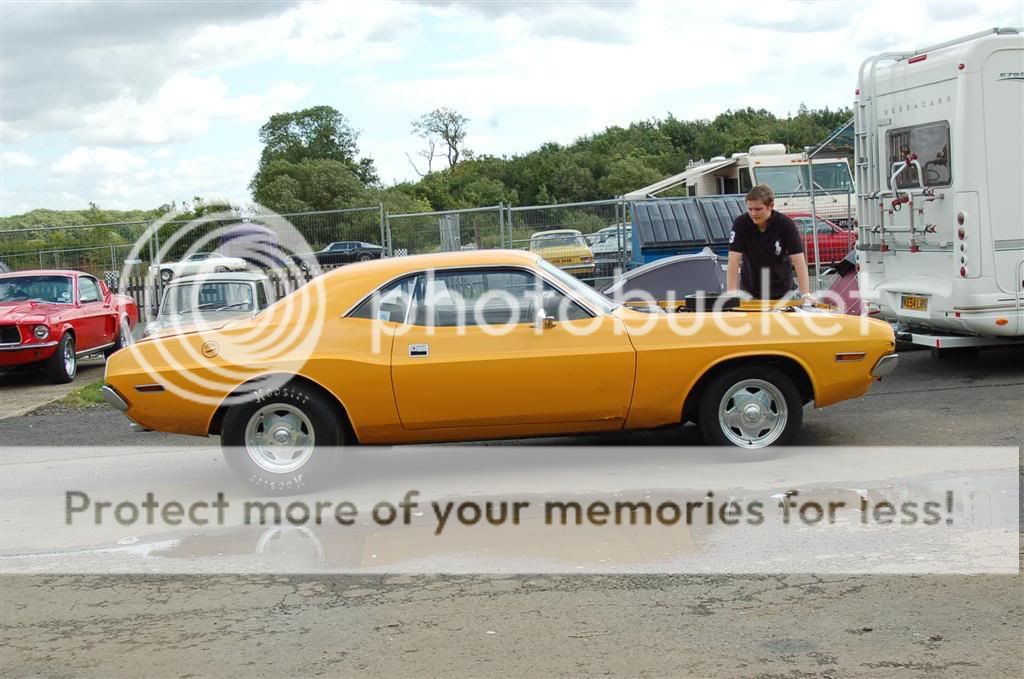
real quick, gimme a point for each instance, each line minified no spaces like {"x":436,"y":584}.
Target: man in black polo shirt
{"x":764,"y":249}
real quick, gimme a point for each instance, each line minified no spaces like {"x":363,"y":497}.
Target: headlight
{"x":41,"y":331}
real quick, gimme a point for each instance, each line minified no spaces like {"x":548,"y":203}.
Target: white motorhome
{"x":789,"y":174}
{"x":940,"y":172}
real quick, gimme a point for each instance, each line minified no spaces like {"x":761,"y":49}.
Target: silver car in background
{"x":208,"y":301}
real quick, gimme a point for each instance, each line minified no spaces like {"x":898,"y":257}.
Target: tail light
{"x":963,"y":272}
{"x":960,"y":218}
{"x":960,"y":233}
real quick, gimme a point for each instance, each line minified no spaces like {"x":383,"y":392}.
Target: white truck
{"x":939,"y":157}
{"x":789,"y":174}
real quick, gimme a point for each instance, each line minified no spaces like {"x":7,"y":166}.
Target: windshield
{"x":558,"y":241}
{"x":55,"y":289}
{"x":211,"y":296}
{"x":796,"y":178}
{"x":573,"y":284}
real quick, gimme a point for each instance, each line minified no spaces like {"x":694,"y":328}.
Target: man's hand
{"x":807,"y":299}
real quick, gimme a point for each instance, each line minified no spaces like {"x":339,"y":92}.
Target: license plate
{"x":913,"y":303}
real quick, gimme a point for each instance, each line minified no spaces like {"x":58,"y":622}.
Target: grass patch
{"x":88,"y":396}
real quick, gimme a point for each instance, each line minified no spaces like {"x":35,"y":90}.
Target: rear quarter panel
{"x":681,"y":348}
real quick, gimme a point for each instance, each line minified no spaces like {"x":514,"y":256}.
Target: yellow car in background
{"x":486,"y":344}
{"x":565,"y":248}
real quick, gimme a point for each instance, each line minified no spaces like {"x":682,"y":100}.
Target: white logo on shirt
{"x":732,"y":236}
{"x":778,"y":248}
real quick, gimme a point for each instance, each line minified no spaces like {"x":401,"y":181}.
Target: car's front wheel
{"x":751,"y":407}
{"x":63,"y":365}
{"x":284,"y":441}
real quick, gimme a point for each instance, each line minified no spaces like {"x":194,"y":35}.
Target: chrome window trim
{"x":419,"y":272}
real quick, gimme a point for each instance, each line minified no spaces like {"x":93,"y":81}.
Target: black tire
{"x":954,"y":353}
{"x":316,"y":470}
{"x":365,"y":257}
{"x":715,"y":430}
{"x":220,"y":269}
{"x":58,"y":369}
{"x":166,"y":275}
{"x":124,"y":337}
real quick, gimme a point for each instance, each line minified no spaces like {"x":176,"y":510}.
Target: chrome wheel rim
{"x":70,"y":362}
{"x":165,"y":275}
{"x":124,"y":337}
{"x":753,"y":414}
{"x":279,"y":438}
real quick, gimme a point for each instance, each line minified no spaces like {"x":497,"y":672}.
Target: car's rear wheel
{"x":284,"y":441}
{"x":365,"y":257}
{"x":220,"y":269}
{"x":750,"y":407}
{"x":166,"y":275}
{"x":124,"y":337}
{"x":63,"y":365}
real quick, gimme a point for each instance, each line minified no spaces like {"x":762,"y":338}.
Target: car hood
{"x":28,"y":312}
{"x":180,"y":324}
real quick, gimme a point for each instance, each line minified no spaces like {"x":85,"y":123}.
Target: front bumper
{"x":22,"y":354}
{"x":113,"y":398}
{"x":885,"y":365}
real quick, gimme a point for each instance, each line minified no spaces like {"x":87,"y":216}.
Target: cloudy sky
{"x":131,"y":105}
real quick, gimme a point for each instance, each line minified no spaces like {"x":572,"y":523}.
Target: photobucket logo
{"x":213,"y":336}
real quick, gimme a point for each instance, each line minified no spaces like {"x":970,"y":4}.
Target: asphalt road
{"x":548,"y":625}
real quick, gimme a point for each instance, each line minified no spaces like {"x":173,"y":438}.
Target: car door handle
{"x":417,"y":350}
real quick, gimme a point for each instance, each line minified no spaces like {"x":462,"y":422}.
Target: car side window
{"x":88,"y":290}
{"x":390,"y":303}
{"x":261,"y":296}
{"x":495,"y":297}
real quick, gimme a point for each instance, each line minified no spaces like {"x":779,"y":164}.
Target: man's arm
{"x":800,"y":264}
{"x":732,"y":272}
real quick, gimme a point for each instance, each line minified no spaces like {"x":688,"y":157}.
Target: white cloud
{"x":98,"y":160}
{"x":16,"y":159}
{"x":182,"y":109}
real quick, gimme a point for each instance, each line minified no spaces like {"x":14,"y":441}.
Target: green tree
{"x":310,"y":161}
{"x":627,"y":174}
{"x":309,"y":185}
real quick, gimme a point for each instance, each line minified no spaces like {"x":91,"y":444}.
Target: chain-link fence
{"x":425,"y":232}
{"x":589,"y":240}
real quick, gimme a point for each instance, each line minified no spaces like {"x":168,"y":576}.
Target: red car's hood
{"x":28,"y":312}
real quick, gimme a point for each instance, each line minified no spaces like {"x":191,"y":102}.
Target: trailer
{"x":939,"y":155}
{"x":799,"y":182}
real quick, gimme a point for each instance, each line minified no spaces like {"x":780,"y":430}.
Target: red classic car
{"x":52,"y":317}
{"x":834,"y":242}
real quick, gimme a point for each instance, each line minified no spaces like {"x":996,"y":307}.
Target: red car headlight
{"x":41,"y":331}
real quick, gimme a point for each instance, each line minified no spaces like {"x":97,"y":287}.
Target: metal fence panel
{"x":589,"y":240}
{"x":449,"y":231}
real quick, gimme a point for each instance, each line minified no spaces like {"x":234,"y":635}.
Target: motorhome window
{"x":745,"y":183}
{"x":828,"y":177}
{"x":931,"y":145}
{"x":781,"y":179}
